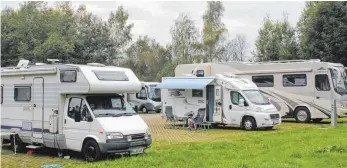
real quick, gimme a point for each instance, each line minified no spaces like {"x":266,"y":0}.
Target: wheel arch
{"x":246,"y":116}
{"x":89,"y":137}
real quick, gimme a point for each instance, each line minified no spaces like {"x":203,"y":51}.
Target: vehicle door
{"x":75,"y":130}
{"x":141,"y":98}
{"x":322,"y":93}
{"x":217,"y":113}
{"x":233,"y":111}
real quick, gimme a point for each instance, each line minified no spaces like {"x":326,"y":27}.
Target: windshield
{"x":339,"y":78}
{"x":154,"y":93}
{"x":256,"y":97}
{"x":109,"y":106}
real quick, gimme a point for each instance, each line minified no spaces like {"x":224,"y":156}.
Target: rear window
{"x":111,"y":75}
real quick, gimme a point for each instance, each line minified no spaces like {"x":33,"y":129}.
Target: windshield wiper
{"x":105,"y":114}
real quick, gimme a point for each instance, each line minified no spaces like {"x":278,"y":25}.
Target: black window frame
{"x":199,"y":74}
{"x":315,"y":81}
{"x":62,"y":72}
{"x":271,"y":76}
{"x":15,"y":96}
{"x":294,"y":84}
{"x":99,"y":71}
{"x":201,"y":92}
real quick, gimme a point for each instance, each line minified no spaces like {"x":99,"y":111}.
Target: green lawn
{"x":290,"y":145}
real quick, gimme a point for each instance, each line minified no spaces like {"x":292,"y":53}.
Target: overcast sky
{"x":154,"y":18}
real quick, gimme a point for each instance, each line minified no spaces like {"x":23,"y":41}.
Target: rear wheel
{"x":248,"y":124}
{"x":302,"y":115}
{"x":317,"y":120}
{"x":91,"y":151}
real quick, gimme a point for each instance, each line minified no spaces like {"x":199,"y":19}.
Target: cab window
{"x":235,"y":98}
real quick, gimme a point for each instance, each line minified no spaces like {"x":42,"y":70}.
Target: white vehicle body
{"x":148,"y":99}
{"x":225,"y":100}
{"x":301,"y":89}
{"x":53,"y":105}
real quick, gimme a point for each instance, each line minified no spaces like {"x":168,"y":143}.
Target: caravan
{"x":226,"y":100}
{"x":148,"y":99}
{"x":300,"y":89}
{"x":72,"y":107}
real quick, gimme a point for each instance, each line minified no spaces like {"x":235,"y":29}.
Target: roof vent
{"x":23,"y":64}
{"x":96,"y":64}
{"x":52,"y":61}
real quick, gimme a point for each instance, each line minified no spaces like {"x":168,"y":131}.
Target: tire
{"x":144,"y":110}
{"x":91,"y":151}
{"x":302,"y":115}
{"x":20,"y":146}
{"x":248,"y":124}
{"x":317,"y":120}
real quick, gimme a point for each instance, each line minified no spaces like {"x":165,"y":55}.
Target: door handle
{"x":64,"y":121}
{"x":317,"y":97}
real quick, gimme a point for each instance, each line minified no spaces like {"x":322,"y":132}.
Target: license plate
{"x":276,"y":122}
{"x":137,"y":143}
{"x":136,"y":151}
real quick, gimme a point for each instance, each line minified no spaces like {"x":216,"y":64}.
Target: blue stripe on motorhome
{"x":323,"y":110}
{"x":34,"y":129}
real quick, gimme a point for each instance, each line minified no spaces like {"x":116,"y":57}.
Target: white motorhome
{"x":148,"y":99}
{"x":300,"y":89}
{"x":226,"y":100}
{"x":72,"y":107}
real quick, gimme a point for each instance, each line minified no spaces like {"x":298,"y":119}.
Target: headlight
{"x":147,"y":134}
{"x":114,"y":135}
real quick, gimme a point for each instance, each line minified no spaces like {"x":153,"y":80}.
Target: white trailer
{"x":148,"y":99}
{"x":300,"y":89}
{"x":225,"y":100}
{"x":72,"y":107}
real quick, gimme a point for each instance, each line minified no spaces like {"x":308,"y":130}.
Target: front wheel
{"x":302,"y":115}
{"x":144,"y":110}
{"x":91,"y":151}
{"x":248,"y":124}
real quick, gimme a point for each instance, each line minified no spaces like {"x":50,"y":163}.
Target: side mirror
{"x":136,"y":109}
{"x":77,"y":116}
{"x":242,"y":102}
{"x":269,"y":99}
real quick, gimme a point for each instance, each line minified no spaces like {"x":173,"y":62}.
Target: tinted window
{"x":200,"y":73}
{"x":79,"y":107}
{"x":22,"y":93}
{"x":111,"y":75}
{"x":142,"y":94}
{"x":197,"y":93}
{"x":294,"y":80}
{"x":263,"y":81}
{"x":322,"y":82}
{"x":68,"y":75}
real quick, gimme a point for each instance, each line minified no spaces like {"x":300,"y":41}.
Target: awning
{"x":185,"y":83}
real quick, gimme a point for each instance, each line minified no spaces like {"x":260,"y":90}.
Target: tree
{"x":228,"y":52}
{"x":213,"y":31}
{"x":240,"y":46}
{"x":276,"y":41}
{"x":183,"y":34}
{"x":323,"y":31}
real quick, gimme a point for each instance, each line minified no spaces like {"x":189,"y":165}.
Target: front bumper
{"x":124,"y":146}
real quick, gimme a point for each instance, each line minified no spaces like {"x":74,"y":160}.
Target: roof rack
{"x":286,"y":61}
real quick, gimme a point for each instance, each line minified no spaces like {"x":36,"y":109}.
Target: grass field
{"x":289,"y":145}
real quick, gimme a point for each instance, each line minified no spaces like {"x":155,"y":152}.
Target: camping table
{"x":9,"y":134}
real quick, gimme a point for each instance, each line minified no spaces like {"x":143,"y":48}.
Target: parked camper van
{"x":300,"y":89}
{"x":148,"y":99}
{"x":223,"y":100}
{"x":72,"y":107}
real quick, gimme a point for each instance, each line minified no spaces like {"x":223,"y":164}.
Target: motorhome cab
{"x":72,"y":107}
{"x":224,"y":100}
{"x":148,"y":99}
{"x":300,"y":89}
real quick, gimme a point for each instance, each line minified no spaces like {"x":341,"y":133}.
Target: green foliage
{"x":323,"y":31}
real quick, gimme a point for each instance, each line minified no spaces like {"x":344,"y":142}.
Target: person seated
{"x":191,"y":120}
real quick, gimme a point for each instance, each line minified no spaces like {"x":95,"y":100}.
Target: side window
{"x":294,"y":80}
{"x":68,"y":75}
{"x":322,"y":82}
{"x":79,"y":107}
{"x":263,"y":81}
{"x":22,"y":93}
{"x":142,"y":94}
{"x":200,"y":73}
{"x":197,"y":93}
{"x":2,"y":94}
{"x":235,"y":98}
